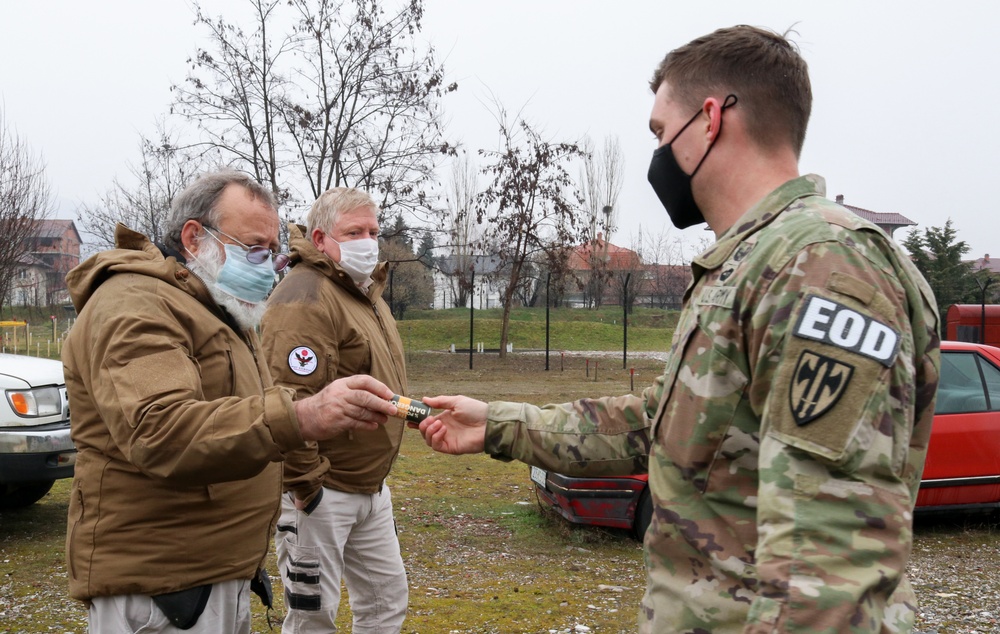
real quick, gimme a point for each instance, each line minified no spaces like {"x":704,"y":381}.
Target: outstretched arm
{"x":459,"y":429}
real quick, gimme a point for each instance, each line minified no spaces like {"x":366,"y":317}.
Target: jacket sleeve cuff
{"x":503,"y":425}
{"x":279,"y":416}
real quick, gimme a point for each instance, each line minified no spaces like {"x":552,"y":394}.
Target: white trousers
{"x":349,"y":536}
{"x":227,"y":612}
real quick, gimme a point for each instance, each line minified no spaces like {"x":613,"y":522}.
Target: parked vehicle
{"x":35,"y":445}
{"x":962,"y":471}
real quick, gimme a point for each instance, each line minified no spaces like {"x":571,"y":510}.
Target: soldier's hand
{"x":459,"y":429}
{"x":355,"y":402}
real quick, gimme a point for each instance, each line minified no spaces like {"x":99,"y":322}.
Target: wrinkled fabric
{"x":786,"y":438}
{"x":347,"y":331}
{"x":178,"y":429}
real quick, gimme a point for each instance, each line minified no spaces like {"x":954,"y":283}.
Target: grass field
{"x":570,"y":329}
{"x":480,"y":554}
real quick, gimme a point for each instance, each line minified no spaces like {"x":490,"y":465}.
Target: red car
{"x":962,"y":471}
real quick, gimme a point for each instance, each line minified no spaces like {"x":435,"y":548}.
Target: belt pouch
{"x":182,"y":608}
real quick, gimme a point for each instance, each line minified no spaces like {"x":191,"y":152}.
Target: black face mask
{"x":672,"y":185}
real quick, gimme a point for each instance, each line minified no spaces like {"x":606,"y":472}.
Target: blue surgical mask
{"x":243,"y":280}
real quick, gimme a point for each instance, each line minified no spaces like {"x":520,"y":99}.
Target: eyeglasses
{"x":256,"y":254}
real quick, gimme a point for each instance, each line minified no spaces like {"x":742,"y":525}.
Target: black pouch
{"x":261,"y":586}
{"x":184,"y":607}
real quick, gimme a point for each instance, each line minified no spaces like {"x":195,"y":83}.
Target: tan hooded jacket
{"x":179,"y":430}
{"x":346,"y":331}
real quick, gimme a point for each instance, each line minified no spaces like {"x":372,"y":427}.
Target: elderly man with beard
{"x":179,"y":429}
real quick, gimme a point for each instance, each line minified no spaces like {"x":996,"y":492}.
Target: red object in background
{"x":962,"y":471}
{"x":963,"y":322}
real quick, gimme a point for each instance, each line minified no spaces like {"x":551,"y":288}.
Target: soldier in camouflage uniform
{"x":786,"y":438}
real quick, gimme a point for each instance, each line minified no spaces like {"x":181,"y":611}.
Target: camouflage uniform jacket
{"x":786,"y":437}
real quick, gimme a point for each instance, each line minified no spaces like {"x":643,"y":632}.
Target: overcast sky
{"x":904,"y":92}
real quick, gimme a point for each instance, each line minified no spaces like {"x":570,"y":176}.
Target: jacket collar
{"x":759,"y":216}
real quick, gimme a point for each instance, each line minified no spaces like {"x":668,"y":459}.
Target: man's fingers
{"x":365,"y":400}
{"x":365,"y":383}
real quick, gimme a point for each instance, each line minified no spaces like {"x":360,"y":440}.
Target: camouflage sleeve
{"x":588,"y":437}
{"x":835,"y":380}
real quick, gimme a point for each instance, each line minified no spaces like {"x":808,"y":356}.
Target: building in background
{"x":51,"y":251}
{"x":887,"y":222}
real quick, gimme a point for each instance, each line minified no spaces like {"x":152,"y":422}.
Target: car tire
{"x":643,"y":514}
{"x":22,"y":494}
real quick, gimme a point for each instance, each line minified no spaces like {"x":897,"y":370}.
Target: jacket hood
{"x":301,"y":249}
{"x":133,"y":253}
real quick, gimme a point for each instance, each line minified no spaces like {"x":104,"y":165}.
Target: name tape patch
{"x":833,"y":323}
{"x":722,"y":296}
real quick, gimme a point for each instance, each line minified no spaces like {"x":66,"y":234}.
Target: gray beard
{"x":207,"y":267}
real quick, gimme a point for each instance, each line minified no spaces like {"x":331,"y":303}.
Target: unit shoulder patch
{"x":817,"y":383}
{"x":302,"y":361}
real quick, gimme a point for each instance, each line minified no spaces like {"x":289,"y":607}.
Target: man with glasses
{"x":179,"y":430}
{"x":327,"y":320}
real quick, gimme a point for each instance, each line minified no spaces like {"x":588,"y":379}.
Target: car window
{"x":992,"y":376}
{"x":961,"y":385}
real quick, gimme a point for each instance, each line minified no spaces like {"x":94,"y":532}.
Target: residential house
{"x":447,"y":280}
{"x":30,"y":286}
{"x":985,"y":263}
{"x":599,"y":270}
{"x":887,"y":222}
{"x":56,"y":244}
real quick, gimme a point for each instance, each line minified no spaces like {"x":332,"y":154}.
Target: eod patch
{"x":838,"y":325}
{"x":835,"y":361}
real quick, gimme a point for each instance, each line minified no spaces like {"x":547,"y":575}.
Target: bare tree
{"x":341,"y":97}
{"x":667,"y":273}
{"x":25,"y":199}
{"x":528,"y":212}
{"x":626,"y":273}
{"x":601,"y":183}
{"x":142,"y":202}
{"x":231,"y":93}
{"x":462,"y":227}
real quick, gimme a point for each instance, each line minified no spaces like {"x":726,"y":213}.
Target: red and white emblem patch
{"x":302,"y":361}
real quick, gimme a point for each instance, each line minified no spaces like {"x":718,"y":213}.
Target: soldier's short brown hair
{"x":762,"y":68}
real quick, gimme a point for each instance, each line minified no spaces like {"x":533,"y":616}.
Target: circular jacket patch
{"x":302,"y":361}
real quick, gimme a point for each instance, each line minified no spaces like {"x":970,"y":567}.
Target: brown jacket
{"x":178,"y":428}
{"x":346,"y":331}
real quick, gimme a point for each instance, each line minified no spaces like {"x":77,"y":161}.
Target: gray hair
{"x":198,"y":200}
{"x":325,"y":212}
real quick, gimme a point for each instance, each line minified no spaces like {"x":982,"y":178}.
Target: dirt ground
{"x":482,"y":557}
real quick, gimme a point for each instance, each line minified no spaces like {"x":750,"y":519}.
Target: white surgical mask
{"x":358,"y":258}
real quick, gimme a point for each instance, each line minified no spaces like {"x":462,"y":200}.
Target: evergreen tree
{"x":938,"y":253}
